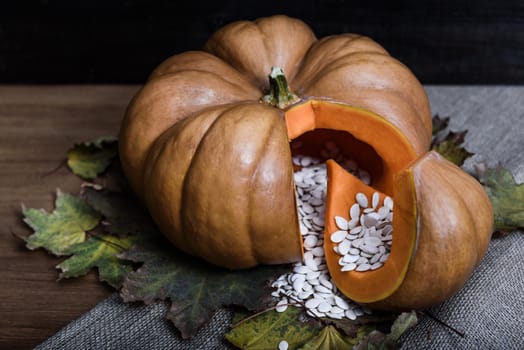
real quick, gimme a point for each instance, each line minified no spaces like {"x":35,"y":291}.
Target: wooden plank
{"x":37,"y":126}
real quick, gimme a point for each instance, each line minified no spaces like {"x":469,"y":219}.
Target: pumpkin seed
{"x":362,"y":200}
{"x":341,"y":223}
{"x":282,"y":305}
{"x":324,"y":307}
{"x":350,"y":314}
{"x":375,"y":199}
{"x":283,"y":345}
{"x":349,"y":267}
{"x":309,"y":279}
{"x":338,"y":236}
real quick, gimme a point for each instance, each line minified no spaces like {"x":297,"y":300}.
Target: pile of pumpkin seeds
{"x":309,"y":284}
{"x":364,"y":241}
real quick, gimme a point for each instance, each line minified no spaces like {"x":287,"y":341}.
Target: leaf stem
{"x":52,"y":171}
{"x":434,"y":318}
{"x":264,"y":311}
{"x":100,"y":238}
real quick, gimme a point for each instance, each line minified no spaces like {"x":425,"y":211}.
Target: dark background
{"x":97,"y":41}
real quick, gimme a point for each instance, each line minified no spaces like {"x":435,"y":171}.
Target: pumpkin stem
{"x":279,"y":95}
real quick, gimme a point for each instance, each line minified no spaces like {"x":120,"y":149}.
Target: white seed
{"x":338,"y":236}
{"x":305,"y":294}
{"x":312,"y":275}
{"x":313,"y":303}
{"x":318,"y":220}
{"x":363,"y":267}
{"x":384,"y":258}
{"x":318,"y":251}
{"x":362,"y":260}
{"x":354,"y":251}
{"x":350,"y":258}
{"x":337,"y":316}
{"x":355,"y":230}
{"x":371,"y":219}
{"x":310,"y":241}
{"x":283,"y":345}
{"x":305,"y":161}
{"x":375,"y":258}
{"x":322,"y":289}
{"x":308,"y":209}
{"x":298,"y":284}
{"x":375,"y":241}
{"x":336,"y":310}
{"x":341,"y":303}
{"x":375,"y":199}
{"x":376,"y":265}
{"x":316,"y":201}
{"x":349,"y":267}
{"x":350,"y":314}
{"x":326,"y":284}
{"x":341,"y":223}
{"x":324,"y":307}
{"x":344,"y":246}
{"x":362,"y":200}
{"x":301,"y":269}
{"x":282,"y":305}
{"x":354,"y":211}
{"x":388,"y":203}
{"x":383,"y":213}
{"x":353,"y":222}
{"x":307,"y":286}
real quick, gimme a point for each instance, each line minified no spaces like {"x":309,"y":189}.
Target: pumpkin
{"x":205,"y":145}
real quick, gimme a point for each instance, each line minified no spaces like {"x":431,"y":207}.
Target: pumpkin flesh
{"x":380,"y":148}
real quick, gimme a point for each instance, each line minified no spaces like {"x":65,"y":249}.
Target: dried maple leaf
{"x":195,"y":288}
{"x":267,"y":330}
{"x":89,"y":159}
{"x":64,"y":227}
{"x":506,"y":196}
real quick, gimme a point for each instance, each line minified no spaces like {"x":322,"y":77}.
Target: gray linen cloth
{"x":489,"y":309}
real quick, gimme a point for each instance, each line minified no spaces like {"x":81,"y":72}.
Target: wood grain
{"x":37,"y":126}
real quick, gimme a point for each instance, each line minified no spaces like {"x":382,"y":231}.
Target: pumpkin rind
{"x":232,"y":173}
{"x":455,"y":223}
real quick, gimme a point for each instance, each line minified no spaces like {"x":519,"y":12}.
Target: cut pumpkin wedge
{"x":371,"y":286}
{"x":379,"y":147}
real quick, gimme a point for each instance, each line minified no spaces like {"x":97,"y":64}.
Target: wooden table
{"x":37,"y":126}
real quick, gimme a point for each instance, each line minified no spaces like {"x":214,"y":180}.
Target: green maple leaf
{"x":100,"y":252}
{"x":267,"y":330}
{"x":451,"y":147}
{"x":377,"y":340}
{"x":331,"y":339}
{"x":195,"y":288}
{"x":64,"y":227}
{"x":89,"y":159}
{"x":506,"y":196}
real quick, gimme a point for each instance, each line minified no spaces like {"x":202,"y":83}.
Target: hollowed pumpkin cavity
{"x":382,"y":150}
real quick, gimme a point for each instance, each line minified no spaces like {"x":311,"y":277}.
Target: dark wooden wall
{"x":121,"y":41}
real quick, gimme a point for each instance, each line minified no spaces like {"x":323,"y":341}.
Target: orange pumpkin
{"x":213,"y":164}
